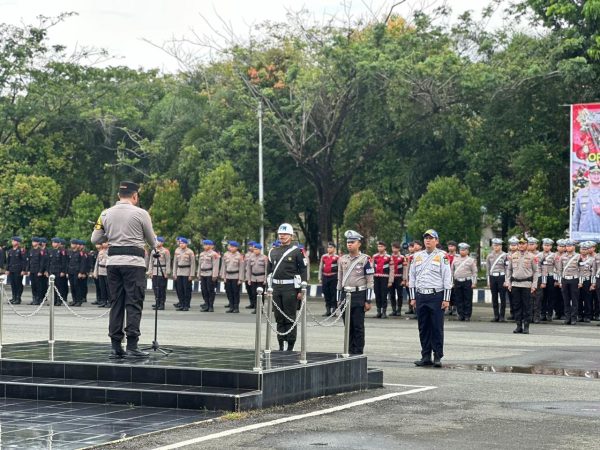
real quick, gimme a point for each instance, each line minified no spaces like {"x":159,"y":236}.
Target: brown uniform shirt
{"x":522,"y":270}
{"x":208,"y":264}
{"x":257,"y":268}
{"x":232,"y":266}
{"x":568,"y":266}
{"x":100,"y":266}
{"x":164,"y":261}
{"x":362,"y":273}
{"x":464,"y":268}
{"x":184,"y":263}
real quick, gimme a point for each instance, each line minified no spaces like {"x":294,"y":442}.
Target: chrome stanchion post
{"x":269,"y":308}
{"x":2,"y":282}
{"x":257,"y":349}
{"x":303,"y":359}
{"x":51,"y":300}
{"x":347,"y":304}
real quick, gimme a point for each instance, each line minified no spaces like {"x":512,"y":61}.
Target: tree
{"x":84,"y":211}
{"x":168,"y":209}
{"x":449,"y":207}
{"x":29,"y":205}
{"x":222,"y":208}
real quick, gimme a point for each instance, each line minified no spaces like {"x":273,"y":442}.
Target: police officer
{"x":559,"y":304}
{"x":126,"y":228}
{"x":536,"y":300}
{"x":247,"y":259}
{"x":596,"y":294}
{"x":522,"y":278}
{"x":43,"y":278}
{"x":587,"y":280}
{"x":513,"y":243}
{"x":184,"y":267}
{"x":257,"y":271}
{"x":430,"y":285}
{"x":547,"y":287}
{"x":354,"y":282}
{"x":568,"y":279}
{"x":464,"y":272}
{"x":37,"y":264}
{"x":381,"y":264}
{"x":77,"y":265}
{"x":159,"y":269}
{"x":451,"y":253}
{"x":413,"y":247}
{"x":57,"y":266}
{"x":176,"y":252}
{"x":208,"y":273}
{"x":396,"y":278}
{"x":328,"y":277}
{"x":286,"y":271}
{"x":233,"y":273}
{"x":100,"y":275}
{"x":16,"y":265}
{"x":495,"y":267}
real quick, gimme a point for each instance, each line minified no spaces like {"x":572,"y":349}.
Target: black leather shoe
{"x":519,"y":329}
{"x":78,"y":304}
{"x":117,"y":351}
{"x":136,"y":353}
{"x":495,"y":319}
{"x":185,"y":309}
{"x":236,"y":310}
{"x":253,"y":311}
{"x":378,"y":314}
{"x":437,"y":361}
{"x":230,"y":310}
{"x":526,"y":328}
{"x":101,"y":305}
{"x":249,"y":307}
{"x":161,"y":308}
{"x":204,"y":307}
{"x":502,"y":319}
{"x":383,"y":315}
{"x":211,"y":309}
{"x":567,"y":322}
{"x":423,"y":363}
{"x":586,"y":320}
{"x":176,"y":305}
{"x":97,"y":303}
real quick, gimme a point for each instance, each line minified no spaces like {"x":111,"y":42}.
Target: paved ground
{"x":475,"y":403}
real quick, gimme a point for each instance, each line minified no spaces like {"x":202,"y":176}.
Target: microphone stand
{"x":155,"y":346}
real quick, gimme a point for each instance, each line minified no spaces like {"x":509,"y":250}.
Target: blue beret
{"x":160,"y":239}
{"x":178,"y":238}
{"x":183,"y":240}
{"x":43,"y":240}
{"x":73,"y":241}
{"x":251,"y":243}
{"x":258,"y":245}
{"x":63,"y":241}
{"x":35,"y":239}
{"x":16,"y":238}
{"x":56,"y":239}
{"x":234,"y":243}
{"x":207,"y":242}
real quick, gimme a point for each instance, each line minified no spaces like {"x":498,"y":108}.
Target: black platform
{"x":189,"y":378}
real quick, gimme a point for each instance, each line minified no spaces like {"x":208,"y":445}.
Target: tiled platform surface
{"x":188,"y":378}
{"x":30,"y":424}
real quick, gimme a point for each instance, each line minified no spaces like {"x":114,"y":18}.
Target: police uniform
{"x":464,"y":273}
{"x":495,"y":267}
{"x":101,"y":277}
{"x":522,"y":275}
{"x":559,"y":304}
{"x":184,"y":268}
{"x":159,"y":268}
{"x":537,"y":296}
{"x":37,"y":265}
{"x":587,"y":279}
{"x":328,"y":277}
{"x":396,"y":279}
{"x":512,"y":247}
{"x":247,"y":258}
{"x":256,"y":274}
{"x":430,"y":284}
{"x":286,"y":271}
{"x":232,"y":273}
{"x":16,"y":264}
{"x":568,"y":276}
{"x":126,"y":228}
{"x":381,"y":265}
{"x":57,"y":266}
{"x":547,"y":261}
{"x":77,"y":267}
{"x":208,"y":272}
{"x":596,"y":294}
{"x":355,"y":279}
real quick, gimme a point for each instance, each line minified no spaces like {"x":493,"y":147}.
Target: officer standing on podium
{"x":286,"y":271}
{"x":430,"y":285}
{"x":127,"y":228}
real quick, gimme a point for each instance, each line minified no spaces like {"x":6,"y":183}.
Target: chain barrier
{"x":76,"y":314}
{"x":37,"y":310}
{"x":294,"y":322}
{"x":338,"y":313}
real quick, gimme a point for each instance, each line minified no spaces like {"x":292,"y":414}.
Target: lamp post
{"x":261,"y":199}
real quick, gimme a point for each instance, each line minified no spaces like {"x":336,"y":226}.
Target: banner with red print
{"x":585,"y":172}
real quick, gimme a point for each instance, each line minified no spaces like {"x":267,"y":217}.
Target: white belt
{"x":429,"y":291}
{"x":586,"y":278}
{"x":283,"y":281}
{"x":497,"y":274}
{"x":462,"y":279}
{"x":569,"y":278}
{"x":355,"y":289}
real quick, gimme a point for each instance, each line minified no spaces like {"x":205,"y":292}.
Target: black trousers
{"x":35,"y":286}
{"x":284,"y":296}
{"x":536,"y":303}
{"x":251,"y":295}
{"x":463,"y":296}
{"x":43,"y":286}
{"x":570,"y":295}
{"x":380,"y":284}
{"x":208,"y":287}
{"x":254,"y":288}
{"x":75,"y":288}
{"x":16,"y":284}
{"x":183,"y":286}
{"x":498,"y":296}
{"x":98,"y":293}
{"x":585,"y":300}
{"x":329,"y":286}
{"x":127,"y":286}
{"x":83,"y":288}
{"x":430,"y":317}
{"x":559,"y":304}
{"x":596,"y":304}
{"x":159,"y":286}
{"x":522,"y":304}
{"x":104,"y":295}
{"x":232,"y":290}
{"x":62,"y":284}
{"x":548,"y":298}
{"x":397,"y":294}
{"x":357,"y":322}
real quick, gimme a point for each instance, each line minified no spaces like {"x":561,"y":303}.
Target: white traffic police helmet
{"x":285,"y":228}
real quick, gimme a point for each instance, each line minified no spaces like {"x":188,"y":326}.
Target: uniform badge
{"x":289,"y":258}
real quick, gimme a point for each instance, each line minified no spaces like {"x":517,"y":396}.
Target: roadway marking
{"x":321,"y":412}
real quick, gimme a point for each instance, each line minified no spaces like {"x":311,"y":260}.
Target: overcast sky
{"x":120,"y":26}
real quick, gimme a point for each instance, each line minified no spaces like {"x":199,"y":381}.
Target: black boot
{"x":327,"y":312}
{"x":290,"y":346}
{"x":281,"y":346}
{"x":383,"y":314}
{"x":379,"y":313}
{"x":526,"y":328}
{"x":133,"y":350}
{"x":117,"y":351}
{"x":519,"y":328}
